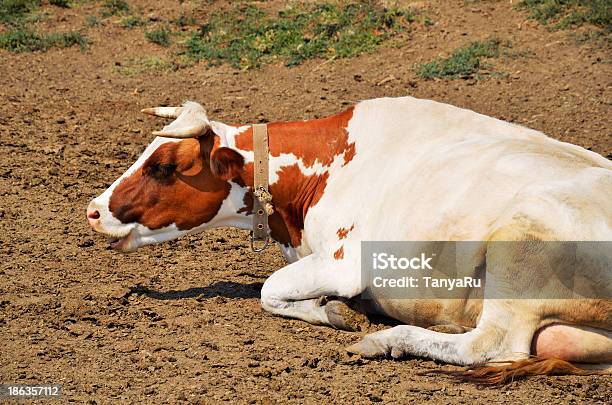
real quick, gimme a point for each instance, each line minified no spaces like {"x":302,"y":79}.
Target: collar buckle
{"x":262,"y":199}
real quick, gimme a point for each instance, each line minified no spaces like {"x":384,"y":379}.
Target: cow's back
{"x":430,"y":171}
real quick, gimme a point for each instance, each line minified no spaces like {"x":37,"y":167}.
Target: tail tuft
{"x":487,"y":374}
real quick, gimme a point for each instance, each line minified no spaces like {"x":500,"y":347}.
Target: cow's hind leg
{"x":500,"y":335}
{"x":300,"y":291}
{"x":518,"y":274}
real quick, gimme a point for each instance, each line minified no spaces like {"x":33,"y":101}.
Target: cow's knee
{"x":309,"y":310}
{"x":297,"y":291}
{"x":268,"y":299}
{"x":271,"y":303}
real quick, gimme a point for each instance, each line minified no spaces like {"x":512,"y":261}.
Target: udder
{"x":580,"y":344}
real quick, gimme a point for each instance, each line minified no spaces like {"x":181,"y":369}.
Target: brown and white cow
{"x":391,"y":169}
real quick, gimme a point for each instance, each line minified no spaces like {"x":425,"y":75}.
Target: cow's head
{"x":184,"y":182}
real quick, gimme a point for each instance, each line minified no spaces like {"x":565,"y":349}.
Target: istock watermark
{"x":486,"y":269}
{"x":383,"y":261}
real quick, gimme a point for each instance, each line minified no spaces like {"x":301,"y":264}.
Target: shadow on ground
{"x":227,"y":289}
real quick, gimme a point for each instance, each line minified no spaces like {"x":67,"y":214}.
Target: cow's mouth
{"x":120,"y":243}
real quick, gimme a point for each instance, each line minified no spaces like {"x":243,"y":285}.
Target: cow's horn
{"x":190,"y":132}
{"x":191,"y":120}
{"x":166,"y":112}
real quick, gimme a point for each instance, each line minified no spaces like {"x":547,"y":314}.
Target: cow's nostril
{"x":93,"y":215}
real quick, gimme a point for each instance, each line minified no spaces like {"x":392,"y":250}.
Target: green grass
{"x":60,"y":3}
{"x":185,"y":20}
{"x":160,"y":36}
{"x":25,"y":40}
{"x":132,"y":22}
{"x":246,"y":37}
{"x":33,"y":17}
{"x":561,"y":14}
{"x":138,"y":66}
{"x":17,"y":15}
{"x":92,"y":21}
{"x":463,"y":62}
{"x":14,"y":10}
{"x":114,"y":7}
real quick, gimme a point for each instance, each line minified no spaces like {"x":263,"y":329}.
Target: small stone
{"x":121,"y":292}
{"x":266,"y":373}
{"x":126,"y":347}
{"x":85,"y":243}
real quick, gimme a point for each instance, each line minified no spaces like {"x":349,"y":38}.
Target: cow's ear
{"x":186,"y":154}
{"x":226,"y":163}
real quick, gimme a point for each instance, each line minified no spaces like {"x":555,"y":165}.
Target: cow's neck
{"x":301,"y":155}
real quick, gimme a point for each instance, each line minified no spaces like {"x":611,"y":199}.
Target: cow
{"x":393,"y":169}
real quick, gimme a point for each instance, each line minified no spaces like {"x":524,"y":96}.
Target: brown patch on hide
{"x":310,"y":141}
{"x":339,"y":254}
{"x":343,"y":232}
{"x":174,"y":185}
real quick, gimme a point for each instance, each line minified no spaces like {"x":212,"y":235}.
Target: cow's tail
{"x":493,"y":374}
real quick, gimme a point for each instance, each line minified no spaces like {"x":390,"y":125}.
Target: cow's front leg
{"x":299,"y":291}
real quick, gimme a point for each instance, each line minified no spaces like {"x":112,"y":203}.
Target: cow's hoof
{"x":370,"y":347}
{"x":450,"y":328}
{"x":388,"y":342}
{"x":343,"y":317}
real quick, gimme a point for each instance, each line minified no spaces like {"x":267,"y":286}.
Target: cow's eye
{"x":163,"y":170}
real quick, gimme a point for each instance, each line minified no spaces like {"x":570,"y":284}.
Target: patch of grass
{"x":138,"y":66}
{"x":598,"y":38}
{"x":185,"y":20}
{"x":247,"y":37}
{"x":160,"y":36}
{"x":132,"y":22}
{"x":561,"y":14}
{"x":114,"y":7}
{"x":25,"y":40}
{"x":34,"y":17}
{"x":60,"y":3}
{"x":92,"y":21}
{"x":13,"y":10}
{"x":463,"y":62}
{"x":521,"y":54}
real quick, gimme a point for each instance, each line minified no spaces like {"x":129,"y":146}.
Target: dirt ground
{"x":181,"y":321}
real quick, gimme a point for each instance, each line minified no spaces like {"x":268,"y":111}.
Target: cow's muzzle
{"x":93,"y":216}
{"x":119,"y":238}
{"x":123,"y":244}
